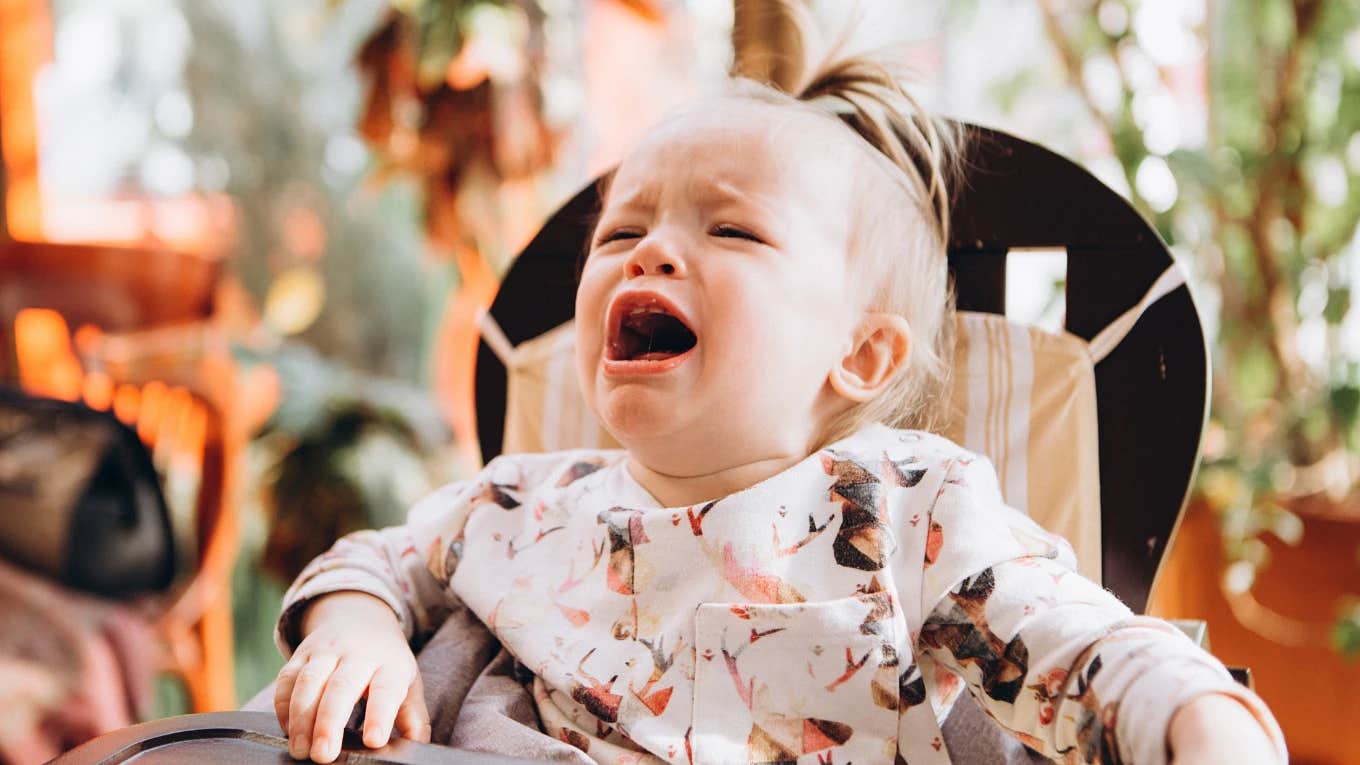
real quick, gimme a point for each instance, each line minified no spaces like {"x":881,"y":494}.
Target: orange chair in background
{"x":131,"y":329}
{"x":144,"y":345}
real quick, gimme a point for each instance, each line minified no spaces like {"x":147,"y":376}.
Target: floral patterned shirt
{"x":828,"y":614}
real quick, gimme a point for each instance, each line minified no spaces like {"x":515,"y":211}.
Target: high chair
{"x":1127,"y":316}
{"x":1095,"y":431}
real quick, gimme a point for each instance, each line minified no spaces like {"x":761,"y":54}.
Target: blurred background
{"x":258,"y":234}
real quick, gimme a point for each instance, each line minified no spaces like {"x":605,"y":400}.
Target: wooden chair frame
{"x":164,"y":301}
{"x":132,"y":294}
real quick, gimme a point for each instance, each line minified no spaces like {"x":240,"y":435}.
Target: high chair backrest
{"x":1128,"y":316}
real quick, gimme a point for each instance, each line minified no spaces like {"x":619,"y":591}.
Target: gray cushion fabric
{"x":973,"y":738}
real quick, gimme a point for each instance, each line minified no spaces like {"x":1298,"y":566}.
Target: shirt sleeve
{"x":408,"y":567}
{"x":1055,"y":659}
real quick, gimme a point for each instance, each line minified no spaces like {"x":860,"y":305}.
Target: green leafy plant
{"x":1266,"y":204}
{"x":1346,"y":634}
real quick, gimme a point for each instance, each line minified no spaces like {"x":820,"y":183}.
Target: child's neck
{"x":688,"y":490}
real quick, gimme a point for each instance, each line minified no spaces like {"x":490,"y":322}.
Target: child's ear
{"x":878,"y":350}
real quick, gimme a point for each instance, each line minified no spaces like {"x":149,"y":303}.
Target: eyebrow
{"x":719,"y":192}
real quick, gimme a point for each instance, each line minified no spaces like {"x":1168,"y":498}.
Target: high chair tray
{"x":248,"y":738}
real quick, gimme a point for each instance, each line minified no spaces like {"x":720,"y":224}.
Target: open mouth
{"x":645,"y":327}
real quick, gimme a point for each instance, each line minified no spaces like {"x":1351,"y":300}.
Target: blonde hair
{"x":901,"y":234}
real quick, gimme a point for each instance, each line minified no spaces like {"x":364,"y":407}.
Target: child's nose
{"x":655,"y":257}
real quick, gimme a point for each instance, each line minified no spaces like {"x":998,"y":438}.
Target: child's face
{"x":716,"y":296}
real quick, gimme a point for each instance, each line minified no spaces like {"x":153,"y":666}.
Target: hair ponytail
{"x":865,"y":95}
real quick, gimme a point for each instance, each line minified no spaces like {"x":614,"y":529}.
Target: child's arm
{"x":1198,"y":729}
{"x":407,"y":567}
{"x":1055,"y":658}
{"x":347,"y":620}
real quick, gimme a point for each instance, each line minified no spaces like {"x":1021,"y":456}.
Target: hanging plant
{"x":454,"y":98}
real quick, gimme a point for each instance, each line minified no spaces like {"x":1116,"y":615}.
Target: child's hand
{"x":1215,"y":728}
{"x":353,"y":646}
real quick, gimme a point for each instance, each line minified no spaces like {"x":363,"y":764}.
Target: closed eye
{"x":729,"y":231}
{"x":617,"y":234}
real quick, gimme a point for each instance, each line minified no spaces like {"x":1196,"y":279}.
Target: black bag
{"x":80,"y":500}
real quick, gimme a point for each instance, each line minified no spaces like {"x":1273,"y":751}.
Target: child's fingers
{"x":344,"y":688}
{"x":413,"y":719}
{"x":385,"y":695}
{"x":283,"y":689}
{"x":311,"y":680}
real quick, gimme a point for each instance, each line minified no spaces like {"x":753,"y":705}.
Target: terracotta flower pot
{"x":1312,"y":689}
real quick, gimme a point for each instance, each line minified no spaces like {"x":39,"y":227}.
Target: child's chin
{"x":640,"y":415}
